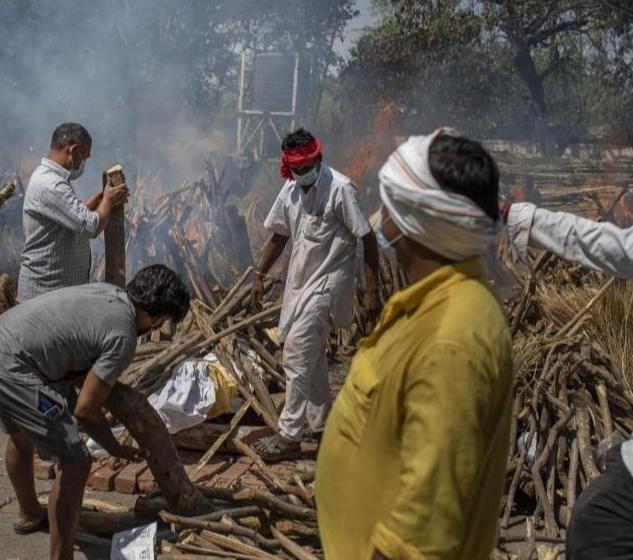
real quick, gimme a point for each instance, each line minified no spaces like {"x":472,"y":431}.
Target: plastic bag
{"x":134,"y":544}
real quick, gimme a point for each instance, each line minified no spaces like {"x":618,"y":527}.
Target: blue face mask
{"x":308,"y":178}
{"x":386,"y":245}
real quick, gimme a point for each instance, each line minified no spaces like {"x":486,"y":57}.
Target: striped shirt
{"x":57,"y":229}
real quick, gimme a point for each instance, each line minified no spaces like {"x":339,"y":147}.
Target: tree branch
{"x":561,"y":27}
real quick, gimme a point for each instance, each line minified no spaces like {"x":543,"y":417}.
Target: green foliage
{"x":543,"y":69}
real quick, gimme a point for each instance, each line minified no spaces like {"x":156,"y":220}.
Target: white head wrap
{"x":448,"y":223}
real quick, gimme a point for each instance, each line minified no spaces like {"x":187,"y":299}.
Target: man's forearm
{"x":99,"y":430}
{"x":272,"y":251}
{"x":372,"y":259}
{"x":104,"y":210}
{"x":93,"y":202}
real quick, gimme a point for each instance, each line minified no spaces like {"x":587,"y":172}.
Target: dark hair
{"x":299,"y":137}
{"x":159,"y":290}
{"x":464,"y":167}
{"x":70,"y":133}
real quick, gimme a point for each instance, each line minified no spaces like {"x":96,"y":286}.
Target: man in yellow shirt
{"x":413,"y":456}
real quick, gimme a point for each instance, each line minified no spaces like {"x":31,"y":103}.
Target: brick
{"x":126,"y":481}
{"x":146,"y":482}
{"x":102,"y":479}
{"x":43,"y":469}
{"x":231,"y":475}
{"x":207,"y":472}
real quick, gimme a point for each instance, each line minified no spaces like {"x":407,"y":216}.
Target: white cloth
{"x":602,"y":246}
{"x":324,"y":226}
{"x":185,"y":400}
{"x":306,"y":368}
{"x":448,"y":223}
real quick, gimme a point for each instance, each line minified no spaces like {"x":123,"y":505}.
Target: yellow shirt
{"x":413,"y":457}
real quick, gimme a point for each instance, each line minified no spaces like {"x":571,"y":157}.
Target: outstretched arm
{"x":602,"y":246}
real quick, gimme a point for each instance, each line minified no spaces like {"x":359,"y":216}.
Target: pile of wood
{"x":572,"y":401}
{"x":194,"y":228}
{"x":242,"y":341}
{"x":250,"y":524}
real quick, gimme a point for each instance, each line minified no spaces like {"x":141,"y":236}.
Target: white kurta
{"x":324,"y":226}
{"x":602,"y":246}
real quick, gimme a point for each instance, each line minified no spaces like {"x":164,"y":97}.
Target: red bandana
{"x":298,"y":157}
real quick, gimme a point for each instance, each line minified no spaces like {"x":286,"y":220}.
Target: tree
{"x":523,"y":65}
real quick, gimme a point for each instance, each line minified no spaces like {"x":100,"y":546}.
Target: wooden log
{"x":584,"y":440}
{"x":114,"y":234}
{"x":224,"y":437}
{"x":235,"y":545}
{"x":259,"y":387}
{"x":222,"y":528}
{"x":607,"y":422}
{"x":203,"y":436}
{"x":292,"y":547}
{"x":6,"y":192}
{"x":572,"y":477}
{"x":236,"y":513}
{"x":273,"y":503}
{"x":551,"y":527}
{"x":146,"y":426}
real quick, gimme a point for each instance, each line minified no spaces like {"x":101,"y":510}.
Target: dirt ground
{"x":35,"y":547}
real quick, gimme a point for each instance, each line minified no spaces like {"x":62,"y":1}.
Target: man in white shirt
{"x":601,"y":525}
{"x":58,"y":226}
{"x":318,"y":210}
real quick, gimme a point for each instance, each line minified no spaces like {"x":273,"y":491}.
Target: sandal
{"x":277,"y":448}
{"x":29,"y":528}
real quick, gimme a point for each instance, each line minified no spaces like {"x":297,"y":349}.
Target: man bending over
{"x":84,"y":334}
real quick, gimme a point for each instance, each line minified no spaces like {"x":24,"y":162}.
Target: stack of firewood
{"x":572,"y":401}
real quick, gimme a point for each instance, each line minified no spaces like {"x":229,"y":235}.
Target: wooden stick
{"x":570,"y":324}
{"x":237,"y":326}
{"x":233,"y":544}
{"x":222,"y":528}
{"x":224,"y":437}
{"x":607,"y":421}
{"x":584,"y":441}
{"x":291,"y":547}
{"x":572,"y":477}
{"x":273,"y":503}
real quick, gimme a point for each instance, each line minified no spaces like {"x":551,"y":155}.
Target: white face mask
{"x":308,"y":178}
{"x":76,"y":173}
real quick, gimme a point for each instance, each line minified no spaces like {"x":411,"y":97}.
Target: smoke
{"x":129,"y":71}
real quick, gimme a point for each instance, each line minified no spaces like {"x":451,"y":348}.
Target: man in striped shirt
{"x":58,"y":226}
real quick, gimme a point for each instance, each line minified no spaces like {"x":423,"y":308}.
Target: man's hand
{"x":372,"y":305}
{"x":504,"y":210}
{"x":257,"y":292}
{"x":116,"y":196}
{"x":130,"y":453}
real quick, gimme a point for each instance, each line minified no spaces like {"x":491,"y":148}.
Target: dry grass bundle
{"x":609,"y":324}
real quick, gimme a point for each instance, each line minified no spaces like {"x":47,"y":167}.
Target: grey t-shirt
{"x":73,"y":329}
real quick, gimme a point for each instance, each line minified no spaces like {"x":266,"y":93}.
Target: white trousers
{"x":306,"y":368}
